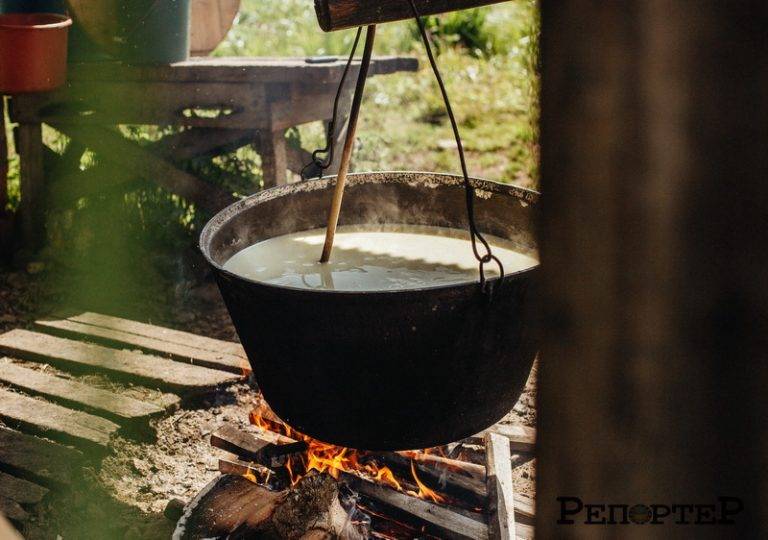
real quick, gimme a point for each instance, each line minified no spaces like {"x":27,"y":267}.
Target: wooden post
{"x":274,"y":158}
{"x":29,"y":145}
{"x":3,"y":159}
{"x":501,"y":493}
{"x":654,"y":250}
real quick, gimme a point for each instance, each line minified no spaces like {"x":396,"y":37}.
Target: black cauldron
{"x":383,"y":370}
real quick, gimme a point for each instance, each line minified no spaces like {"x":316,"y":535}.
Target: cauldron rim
{"x":229,"y":212}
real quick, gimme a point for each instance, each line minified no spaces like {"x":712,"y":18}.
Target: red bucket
{"x":33,"y":52}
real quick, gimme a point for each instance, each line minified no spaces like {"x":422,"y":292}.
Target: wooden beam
{"x":501,"y":494}
{"x":654,"y":250}
{"x":340,"y":14}
{"x":233,"y":69}
{"x":200,"y":142}
{"x":274,"y":157}
{"x":113,"y":146}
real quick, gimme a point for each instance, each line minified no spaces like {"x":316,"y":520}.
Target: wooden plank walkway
{"x":55,"y":421}
{"x":121,"y":409}
{"x":147,"y":369}
{"x":148,"y":343}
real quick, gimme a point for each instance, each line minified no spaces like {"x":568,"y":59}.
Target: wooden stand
{"x":223,"y":103}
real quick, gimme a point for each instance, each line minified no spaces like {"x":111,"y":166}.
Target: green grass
{"x":403,"y":125}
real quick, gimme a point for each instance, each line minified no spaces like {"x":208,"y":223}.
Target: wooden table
{"x":224,"y":103}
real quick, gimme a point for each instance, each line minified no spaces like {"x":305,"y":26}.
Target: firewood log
{"x":236,"y":508}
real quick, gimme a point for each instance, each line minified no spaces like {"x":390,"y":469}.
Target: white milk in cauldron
{"x":373,"y":258}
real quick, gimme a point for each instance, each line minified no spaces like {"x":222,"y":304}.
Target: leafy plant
{"x":467,"y":29}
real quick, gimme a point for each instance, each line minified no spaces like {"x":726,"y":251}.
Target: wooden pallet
{"x":38,"y":405}
{"x":121,"y":409}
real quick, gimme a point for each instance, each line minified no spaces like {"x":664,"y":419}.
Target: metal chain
{"x":469,"y":190}
{"x":330,"y":134}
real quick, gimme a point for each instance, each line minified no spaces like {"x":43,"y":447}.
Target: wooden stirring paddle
{"x":349,"y":143}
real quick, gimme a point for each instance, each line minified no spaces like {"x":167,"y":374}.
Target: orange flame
{"x":424,"y":491}
{"x":331,"y":459}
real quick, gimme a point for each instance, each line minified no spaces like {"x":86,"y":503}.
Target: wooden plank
{"x":12,"y":510}
{"x":501,"y":495}
{"x":202,"y":142}
{"x":147,"y":369}
{"x":451,"y":524}
{"x":521,"y":438}
{"x":170,"y":335}
{"x":237,"y":69}
{"x":243,"y":468}
{"x":525,"y":531}
{"x":117,"y":338}
{"x":119,"y":408}
{"x":252,"y":447}
{"x":112,"y":146}
{"x":525,"y":509}
{"x":22,"y":491}
{"x":340,"y":14}
{"x":55,"y":421}
{"x":36,"y":459}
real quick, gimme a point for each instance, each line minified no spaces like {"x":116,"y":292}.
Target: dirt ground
{"x":126,"y":495}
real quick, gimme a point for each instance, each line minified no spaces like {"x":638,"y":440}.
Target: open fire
{"x":335,"y":460}
{"x":285,"y":484}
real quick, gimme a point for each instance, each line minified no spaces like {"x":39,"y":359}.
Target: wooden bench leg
{"x":29,"y":145}
{"x":274,"y":159}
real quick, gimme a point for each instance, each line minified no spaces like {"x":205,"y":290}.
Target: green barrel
{"x":136,"y":31}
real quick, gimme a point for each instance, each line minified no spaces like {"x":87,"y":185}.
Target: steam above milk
{"x":365,"y":258}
